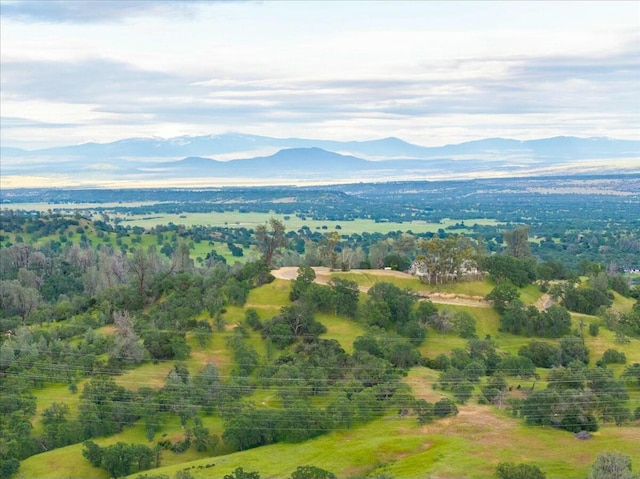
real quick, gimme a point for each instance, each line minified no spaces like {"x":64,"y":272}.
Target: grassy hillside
{"x":469,"y":445}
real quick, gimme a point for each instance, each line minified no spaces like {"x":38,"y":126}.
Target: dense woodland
{"x":85,"y":299}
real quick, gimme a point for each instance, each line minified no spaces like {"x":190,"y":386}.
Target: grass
{"x":607,"y":340}
{"x":622,"y":304}
{"x":344,"y":330}
{"x":530,"y":294}
{"x":469,"y":445}
{"x":67,"y":462}
{"x":63,"y":463}
{"x":487,"y":319}
{"x":148,"y":375}
{"x":52,"y":393}
{"x":216,"y":353}
{"x":368,"y":279}
{"x":468,"y":288}
{"x":270,"y":296}
{"x":235,"y":219}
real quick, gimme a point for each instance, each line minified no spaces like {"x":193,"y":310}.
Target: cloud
{"x":8,"y":122}
{"x":513,"y":94}
{"x":86,"y":81}
{"x":95,"y":11}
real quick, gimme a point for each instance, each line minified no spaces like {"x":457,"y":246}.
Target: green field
{"x":467,"y":445}
{"x":294,"y":223}
{"x":235,"y":219}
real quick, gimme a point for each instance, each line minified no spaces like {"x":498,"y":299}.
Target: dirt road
{"x":323,"y":276}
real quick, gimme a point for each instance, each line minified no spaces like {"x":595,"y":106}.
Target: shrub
{"x":445,"y":407}
{"x":510,"y":470}
{"x":611,"y":356}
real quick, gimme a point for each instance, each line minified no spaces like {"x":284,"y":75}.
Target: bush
{"x":445,"y":407}
{"x":611,"y":465}
{"x":312,"y":472}
{"x":543,"y":355}
{"x":611,"y":356}
{"x":509,"y":470}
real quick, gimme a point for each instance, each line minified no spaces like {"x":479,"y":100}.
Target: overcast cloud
{"x":428,"y":72}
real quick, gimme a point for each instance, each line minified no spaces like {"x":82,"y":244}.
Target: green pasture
{"x":249,"y":220}
{"x":68,"y":462}
{"x":467,"y":288}
{"x":269,"y":296}
{"x":368,"y":278}
{"x":147,"y":374}
{"x":622,"y":304}
{"x":342,"y":329}
{"x":607,"y":340}
{"x":469,"y":445}
{"x":487,"y":319}
{"x":55,"y":393}
{"x":216,"y":353}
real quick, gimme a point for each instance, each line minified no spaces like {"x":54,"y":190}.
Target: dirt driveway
{"x":323,"y":276}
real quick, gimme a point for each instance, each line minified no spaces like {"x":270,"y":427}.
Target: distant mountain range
{"x":297,"y":161}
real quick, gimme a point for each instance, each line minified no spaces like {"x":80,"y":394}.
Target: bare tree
{"x":143,"y":264}
{"x":269,"y":239}
{"x":518,"y":242}
{"x":127,"y":345}
{"x":18,"y":299}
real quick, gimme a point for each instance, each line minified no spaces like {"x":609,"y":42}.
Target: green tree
{"x":203,"y":440}
{"x":572,"y":348}
{"x":118,"y":459}
{"x":632,"y":373}
{"x":542,"y":354}
{"x":495,"y":390}
{"x":464,"y":325}
{"x":8,"y":467}
{"x":143,"y":456}
{"x":501,"y":268}
{"x":444,"y":260}
{"x":463,"y":391}
{"x":445,"y":407}
{"x":585,"y":300}
{"x":93,"y":453}
{"x":424,"y":411}
{"x":502,"y":295}
{"x":306,"y":277}
{"x":240,"y":473}
{"x":311,"y":472}
{"x":346,"y":294}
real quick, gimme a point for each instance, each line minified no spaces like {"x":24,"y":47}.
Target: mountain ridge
{"x":265,"y":160}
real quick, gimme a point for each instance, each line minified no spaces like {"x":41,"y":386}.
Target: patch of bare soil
{"x":544,"y":302}
{"x":479,"y":424}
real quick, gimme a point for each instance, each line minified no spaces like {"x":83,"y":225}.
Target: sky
{"x":429,"y":72}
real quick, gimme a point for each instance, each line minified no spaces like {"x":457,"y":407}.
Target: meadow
{"x":237,"y":219}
